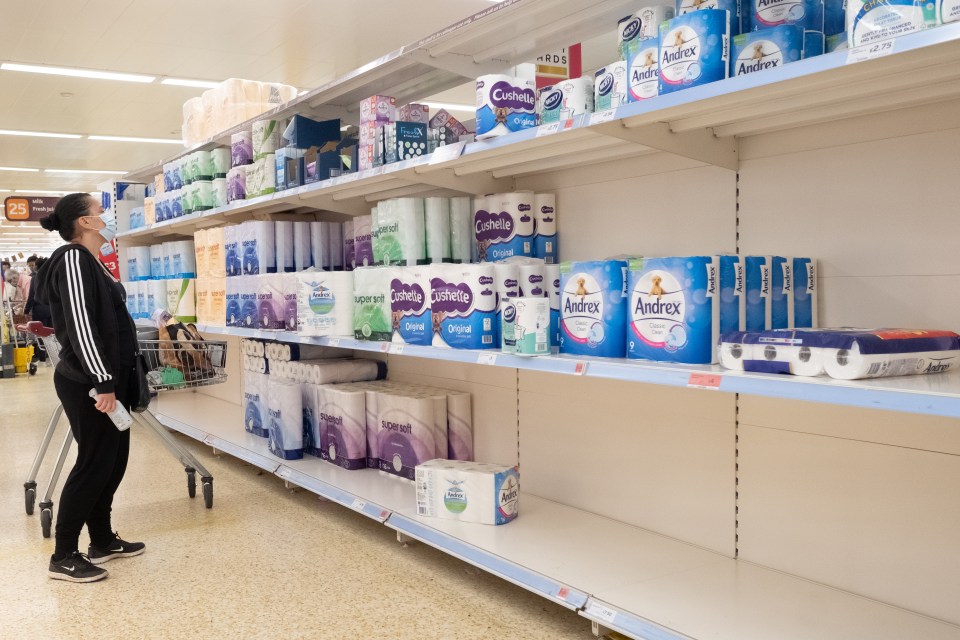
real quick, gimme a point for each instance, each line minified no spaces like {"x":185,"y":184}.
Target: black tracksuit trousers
{"x":87,"y":495}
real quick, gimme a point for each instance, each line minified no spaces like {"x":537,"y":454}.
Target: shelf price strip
{"x":705,"y":381}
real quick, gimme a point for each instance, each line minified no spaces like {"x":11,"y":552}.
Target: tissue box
{"x":380,"y":109}
{"x":289,"y":163}
{"x":468,"y":491}
{"x":408,"y":139}
{"x":414,"y":112}
{"x":302,"y":132}
{"x":366,"y":147}
{"x":444,"y":119}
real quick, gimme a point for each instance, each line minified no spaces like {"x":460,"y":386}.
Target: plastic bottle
{"x":120,"y":416}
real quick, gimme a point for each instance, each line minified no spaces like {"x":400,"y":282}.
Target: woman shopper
{"x":98,"y":341}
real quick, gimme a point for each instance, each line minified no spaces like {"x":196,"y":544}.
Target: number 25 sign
{"x":21,"y":209}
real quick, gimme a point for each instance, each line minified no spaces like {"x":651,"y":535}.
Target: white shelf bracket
{"x":699,"y":145}
{"x":598,"y":629}
{"x":352,"y":207}
{"x":473,"y":183}
{"x":459,"y":64}
{"x":403,"y":538}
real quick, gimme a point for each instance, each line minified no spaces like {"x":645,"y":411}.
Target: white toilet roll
{"x":335,"y":231}
{"x":285,"y":411}
{"x":184,"y":259}
{"x":320,"y":245}
{"x":533,"y":278}
{"x":255,"y":391}
{"x":371,"y":304}
{"x":302,"y":256}
{"x":285,"y":253}
{"x":156,"y":261}
{"x":437,"y":215}
{"x":325,"y":303}
{"x":459,"y":426}
{"x":138,"y":263}
{"x":461,"y":229}
{"x":257,"y":247}
{"x":362,"y":241}
{"x":399,"y":236}
{"x":343,"y":438}
{"x":734,"y":353}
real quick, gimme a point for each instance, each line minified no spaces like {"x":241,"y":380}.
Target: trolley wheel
{"x":29,"y":496}
{"x":33,"y":368}
{"x":191,"y":483}
{"x":46,"y":519}
{"x":208,"y":492}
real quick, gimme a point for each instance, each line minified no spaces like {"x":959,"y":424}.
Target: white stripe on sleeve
{"x":81,"y":320}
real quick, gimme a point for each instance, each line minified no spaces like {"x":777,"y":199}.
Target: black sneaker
{"x":75,"y":567}
{"x":118,"y":549}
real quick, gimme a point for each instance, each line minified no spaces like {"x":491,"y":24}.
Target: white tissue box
{"x":478,"y":492}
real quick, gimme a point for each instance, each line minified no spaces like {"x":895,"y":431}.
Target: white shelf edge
{"x":334,"y":493}
{"x":937,"y":394}
{"x":621,"y":621}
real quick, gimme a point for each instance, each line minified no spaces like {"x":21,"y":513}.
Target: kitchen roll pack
{"x":504,"y":225}
{"x":410,"y":306}
{"x":371,"y":304}
{"x":325,"y":303}
{"x":464,"y":306}
{"x":182,"y":299}
{"x":255,"y":405}
{"x":593,"y":308}
{"x":285,"y":418}
{"x":505,"y":104}
{"x":694,"y":49}
{"x":674,"y":309}
{"x":844,"y":354}
{"x":399,"y":232}
{"x":481,"y":493}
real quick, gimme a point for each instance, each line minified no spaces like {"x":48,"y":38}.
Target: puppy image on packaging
{"x":674,"y":309}
{"x":694,"y":49}
{"x":768,"y":49}
{"x":644,"y":70}
{"x":593,"y":310}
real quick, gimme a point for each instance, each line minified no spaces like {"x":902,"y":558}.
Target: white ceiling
{"x":296,"y":42}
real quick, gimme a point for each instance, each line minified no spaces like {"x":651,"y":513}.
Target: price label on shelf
{"x":358,"y":504}
{"x":384,"y":347}
{"x":603,"y":116}
{"x":705,"y":381}
{"x":447,"y":152}
{"x":548,"y":129}
{"x":563,"y":593}
{"x":580,"y":368}
{"x":396,"y":349}
{"x":487,"y":358}
{"x":333,"y":342}
{"x":870,"y":51}
{"x":601,"y":613}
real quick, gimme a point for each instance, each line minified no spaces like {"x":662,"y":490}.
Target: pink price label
{"x":704,"y":380}
{"x":563,"y":593}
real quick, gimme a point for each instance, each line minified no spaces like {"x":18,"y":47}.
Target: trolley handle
{"x":35,"y":327}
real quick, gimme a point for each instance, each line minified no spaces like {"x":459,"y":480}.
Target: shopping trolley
{"x":171,"y":365}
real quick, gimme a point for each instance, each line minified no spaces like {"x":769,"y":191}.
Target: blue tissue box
{"x":303,"y":133}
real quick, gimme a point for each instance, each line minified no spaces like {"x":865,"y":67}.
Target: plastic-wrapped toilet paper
{"x":890,"y":352}
{"x":320,"y":245}
{"x":508,"y":325}
{"x":324,"y":303}
{"x":302,"y":256}
{"x":342,"y":417}
{"x":464,"y":306}
{"x":505,"y":104}
{"x":733,"y":352}
{"x":349,"y":247}
{"x":220,"y":192}
{"x":757,"y":271}
{"x":138,"y":263}
{"x":335,"y":247}
{"x":363,"y":245}
{"x":805,"y":293}
{"x":593,"y":308}
{"x":781,"y":293}
{"x":532,"y":328}
{"x":566,"y":99}
{"x":237,"y":183}
{"x":241,"y":149}
{"x":203,"y":300}
{"x":220,"y":158}
{"x":640,"y":26}
{"x":270,"y":303}
{"x":285,"y":412}
{"x":643,"y":70}
{"x":461,"y":229}
{"x":553,"y":295}
{"x":167,"y":248}
{"x":232,"y":301}
{"x":504,"y":226}
{"x":249,"y":305}
{"x":156,"y":262}
{"x":532,"y":281}
{"x":694,"y":49}
{"x":410,"y":306}
{"x":674,"y":309}
{"x":437,"y":214}
{"x":131,"y":298}
{"x":258,"y":246}
{"x":218,"y":302}
{"x":255,"y":418}
{"x":545,"y":219}
{"x":157,"y":295}
{"x":265,"y":137}
{"x":181,"y":299}
{"x":733,"y":301}
{"x":233,"y":250}
{"x":610,"y":86}
{"x":481,"y":493}
{"x":371,"y":304}
{"x":184,"y":259}
{"x":284,"y":246}
{"x":407,"y":432}
{"x":459,"y":426}
{"x":216,"y":255}
{"x":262,"y":176}
{"x":399,"y":234}
{"x":200,"y":253}
{"x":311,"y":424}
{"x":770,"y":48}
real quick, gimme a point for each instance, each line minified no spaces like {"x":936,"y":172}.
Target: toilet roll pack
{"x":805,"y":309}
{"x":532,"y":326}
{"x":734,"y":9}
{"x":482,"y":493}
{"x":781,"y":293}
{"x":257,"y":247}
{"x":566,"y":99}
{"x":255,"y":405}
{"x":408,"y":430}
{"x":324,"y":303}
{"x":643,"y":68}
{"x":505,"y":104}
{"x":399,"y":232}
{"x":757,"y":271}
{"x":463,"y":302}
{"x":733,"y":300}
{"x":283,"y":247}
{"x":341,"y":420}
{"x":371,"y":304}
{"x":553,"y":295}
{"x":545,"y":228}
{"x":641,"y":25}
{"x":843,"y":354}
{"x":694,"y":49}
{"x":610,"y":86}
{"x":363,"y":244}
{"x":249,"y":305}
{"x":674,"y":309}
{"x":806,"y":14}
{"x":504,"y":225}
{"x":770,"y":48}
{"x":593,"y":308}
{"x":870,"y":21}
{"x":410,"y":306}
{"x":285,"y":418}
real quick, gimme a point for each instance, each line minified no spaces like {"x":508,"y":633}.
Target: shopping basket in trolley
{"x":202,"y":365}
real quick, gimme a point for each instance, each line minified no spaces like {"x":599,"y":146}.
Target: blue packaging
{"x":767,"y":49}
{"x":771,"y":13}
{"x":805,"y":306}
{"x":694,"y":49}
{"x":504,"y":226}
{"x":505,"y":104}
{"x":732,"y":7}
{"x":814,"y":44}
{"x":834,"y":17}
{"x":733,"y":302}
{"x":249,"y":306}
{"x":410,"y":307}
{"x":643,"y":70}
{"x":593,"y":308}
{"x":176,"y":205}
{"x":674,"y":309}
{"x":757,"y":272}
{"x":463,"y":305}
{"x":232,"y":302}
{"x":553,"y":293}
{"x":781,"y":293}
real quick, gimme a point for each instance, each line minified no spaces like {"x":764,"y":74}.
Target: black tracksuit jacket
{"x":98,"y":338}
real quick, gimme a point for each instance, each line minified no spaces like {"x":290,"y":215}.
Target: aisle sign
{"x":110,"y":261}
{"x":23,"y":209}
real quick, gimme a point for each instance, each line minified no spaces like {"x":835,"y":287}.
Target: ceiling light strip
{"x":77,"y":73}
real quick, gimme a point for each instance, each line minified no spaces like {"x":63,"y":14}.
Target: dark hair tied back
{"x":65,"y":214}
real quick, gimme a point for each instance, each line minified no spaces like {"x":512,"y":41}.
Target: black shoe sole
{"x":119,"y":554}
{"x":56,"y":575}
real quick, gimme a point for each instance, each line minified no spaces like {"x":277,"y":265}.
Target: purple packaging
{"x":413,"y":112}
{"x":363,"y":242}
{"x":241,"y":149}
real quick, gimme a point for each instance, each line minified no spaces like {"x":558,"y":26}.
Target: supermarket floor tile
{"x":265,"y":562}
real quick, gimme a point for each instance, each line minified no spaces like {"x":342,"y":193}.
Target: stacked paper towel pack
{"x":228,"y":104}
{"x":309,"y":399}
{"x":162,"y":277}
